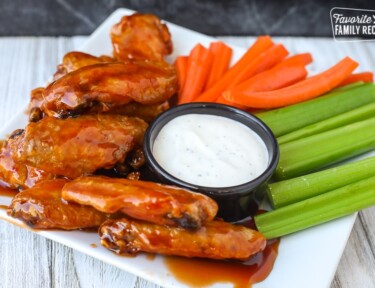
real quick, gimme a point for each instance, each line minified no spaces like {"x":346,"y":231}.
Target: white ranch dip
{"x":210,"y":151}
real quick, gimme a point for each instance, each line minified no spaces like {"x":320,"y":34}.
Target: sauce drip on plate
{"x":203,"y":272}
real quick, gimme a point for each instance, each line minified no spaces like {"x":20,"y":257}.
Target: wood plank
{"x":356,"y":268}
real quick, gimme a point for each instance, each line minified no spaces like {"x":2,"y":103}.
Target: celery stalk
{"x":361,"y":113}
{"x":317,"y":210}
{"x":287,"y":119}
{"x":314,"y":152}
{"x":349,"y":86}
{"x":297,"y":189}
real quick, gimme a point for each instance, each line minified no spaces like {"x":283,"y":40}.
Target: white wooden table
{"x":28,"y":260}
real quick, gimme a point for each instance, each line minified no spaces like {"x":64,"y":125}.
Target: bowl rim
{"x":183,"y":109}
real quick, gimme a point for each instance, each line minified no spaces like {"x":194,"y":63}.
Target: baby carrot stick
{"x":366,"y":77}
{"x":199,"y":64}
{"x":260,"y":45}
{"x":222,"y":55}
{"x":304,"y":90}
{"x":181,"y":67}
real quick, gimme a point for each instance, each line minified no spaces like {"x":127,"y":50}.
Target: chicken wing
{"x":132,"y":109}
{"x":215,"y":240}
{"x":74,"y":60}
{"x":145,"y":112}
{"x":42,"y":208}
{"x":141,"y":36}
{"x":77,"y":146}
{"x":17,"y":175}
{"x":143,"y":200}
{"x":36,"y":101}
{"x":102,"y":87}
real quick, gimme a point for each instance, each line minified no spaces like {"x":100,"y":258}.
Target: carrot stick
{"x":276,"y":78}
{"x":181,"y":64}
{"x":304,"y":90}
{"x":286,"y":73}
{"x":260,"y":45}
{"x":367,"y":77}
{"x":222,"y":100}
{"x":263,"y":62}
{"x":273,"y":79}
{"x":199,"y":64}
{"x":299,"y":59}
{"x":222,"y":55}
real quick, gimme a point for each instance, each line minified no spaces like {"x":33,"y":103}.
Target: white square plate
{"x":307,"y":259}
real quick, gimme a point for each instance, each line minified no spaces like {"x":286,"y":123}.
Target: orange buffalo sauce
{"x":7,"y":192}
{"x":203,"y":272}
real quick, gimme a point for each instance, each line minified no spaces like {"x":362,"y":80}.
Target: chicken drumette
{"x":142,"y":37}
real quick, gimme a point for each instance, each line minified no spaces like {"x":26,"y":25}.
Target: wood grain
{"x":28,"y":260}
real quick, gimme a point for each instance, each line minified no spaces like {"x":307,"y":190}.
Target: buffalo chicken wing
{"x":74,"y":60}
{"x":35,"y":105}
{"x":141,"y":37}
{"x":18,"y":175}
{"x":215,"y":240}
{"x":42,"y":208}
{"x":77,"y":146}
{"x":102,"y":87}
{"x":143,"y":200}
{"x":145,"y":112}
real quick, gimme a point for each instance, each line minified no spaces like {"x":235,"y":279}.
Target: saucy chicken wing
{"x":42,"y":208}
{"x":77,"y":146}
{"x":132,"y":109}
{"x":145,"y":112}
{"x":143,"y":200}
{"x":215,"y":240}
{"x":141,"y":36}
{"x":17,"y":175}
{"x":74,"y":60}
{"x":102,"y":87}
{"x":35,"y":105}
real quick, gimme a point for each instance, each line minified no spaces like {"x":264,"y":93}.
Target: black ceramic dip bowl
{"x":235,"y":202}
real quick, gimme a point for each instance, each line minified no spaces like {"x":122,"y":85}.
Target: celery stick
{"x":361,"y":113}
{"x":297,"y":189}
{"x":349,"y":86}
{"x":290,"y":118}
{"x":314,"y":152}
{"x":317,"y":210}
